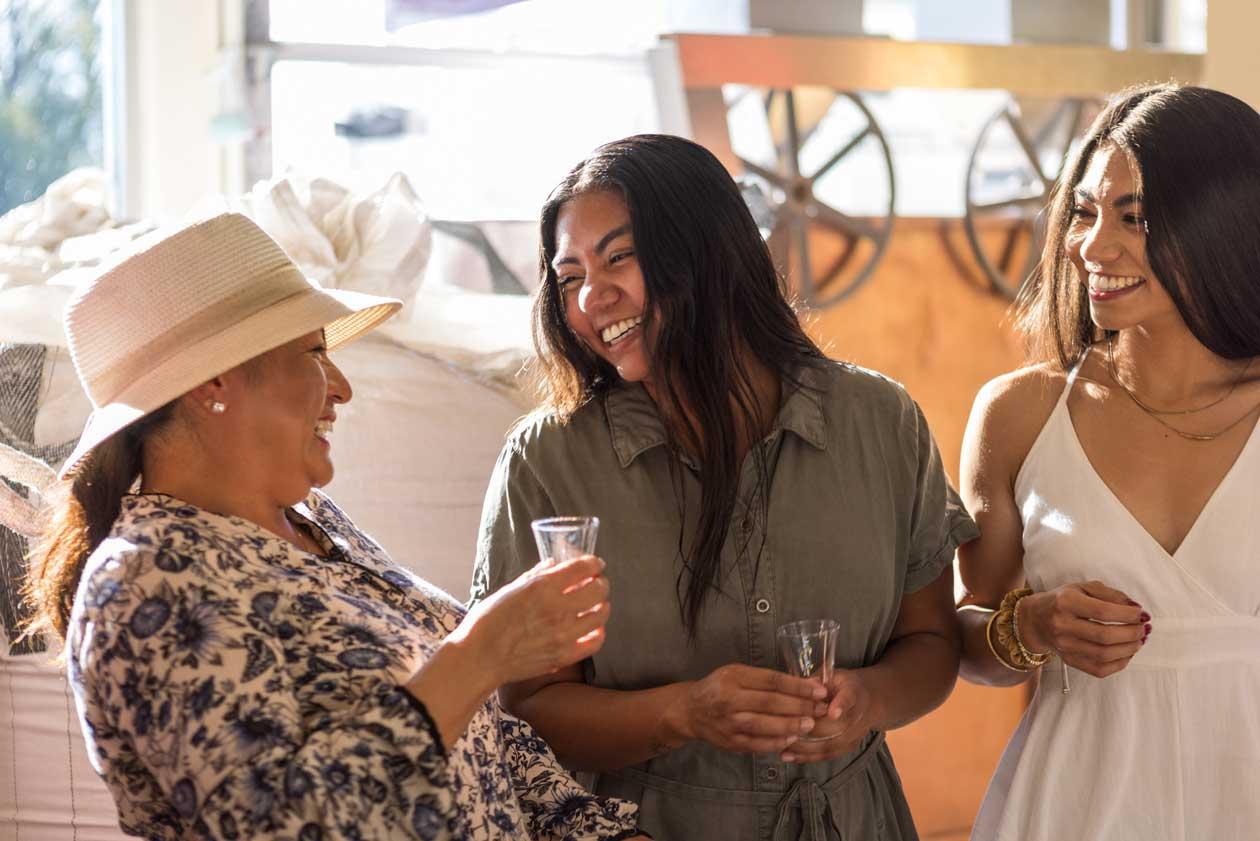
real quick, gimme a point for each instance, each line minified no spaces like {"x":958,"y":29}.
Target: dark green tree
{"x":50,"y":94}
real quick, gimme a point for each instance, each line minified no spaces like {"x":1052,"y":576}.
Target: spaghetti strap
{"x":1071,"y":377}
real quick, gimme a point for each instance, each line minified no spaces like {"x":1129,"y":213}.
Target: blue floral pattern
{"x":232,"y":686}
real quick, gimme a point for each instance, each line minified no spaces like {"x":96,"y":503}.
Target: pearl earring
{"x":218,"y":408}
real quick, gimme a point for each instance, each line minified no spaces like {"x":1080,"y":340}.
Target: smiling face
{"x":1106,"y":241}
{"x":601,"y":284}
{"x":280,"y":417}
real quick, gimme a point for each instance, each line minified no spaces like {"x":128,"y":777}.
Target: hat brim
{"x":342,"y":314}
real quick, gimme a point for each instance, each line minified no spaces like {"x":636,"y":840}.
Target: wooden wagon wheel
{"x":1012,"y":169}
{"x":791,"y":211}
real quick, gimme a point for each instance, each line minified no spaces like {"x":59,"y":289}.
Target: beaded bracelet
{"x":1029,"y":655}
{"x":1008,"y":633}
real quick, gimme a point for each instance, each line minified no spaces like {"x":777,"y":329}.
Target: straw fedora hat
{"x":182,"y":309}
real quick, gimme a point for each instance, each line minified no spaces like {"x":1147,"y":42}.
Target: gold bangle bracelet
{"x":988,"y":637}
{"x":1008,"y":636}
{"x":1039,"y":658}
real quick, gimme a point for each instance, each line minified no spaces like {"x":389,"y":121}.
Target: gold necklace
{"x":1155,"y":415}
{"x":1151,"y":410}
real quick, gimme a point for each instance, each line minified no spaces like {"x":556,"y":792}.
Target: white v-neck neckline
{"x":1218,"y":491}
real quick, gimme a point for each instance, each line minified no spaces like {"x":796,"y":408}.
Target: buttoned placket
{"x":747,"y":530}
{"x":756,"y":569}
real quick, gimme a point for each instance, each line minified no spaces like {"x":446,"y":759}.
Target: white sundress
{"x":1169,"y":748}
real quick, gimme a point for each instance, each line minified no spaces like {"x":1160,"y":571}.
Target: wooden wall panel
{"x":920,"y":321}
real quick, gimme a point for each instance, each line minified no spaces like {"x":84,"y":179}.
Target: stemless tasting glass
{"x":809,"y":650}
{"x":562,"y":538}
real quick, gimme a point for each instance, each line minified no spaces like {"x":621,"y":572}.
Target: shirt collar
{"x":636,"y":427}
{"x":633,"y":423}
{"x":802,"y":409}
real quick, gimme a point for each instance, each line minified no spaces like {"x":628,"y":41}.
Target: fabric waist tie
{"x":812,"y":798}
{"x":1200,"y":641}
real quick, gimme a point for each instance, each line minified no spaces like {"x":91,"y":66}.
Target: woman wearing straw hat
{"x":247,"y":663}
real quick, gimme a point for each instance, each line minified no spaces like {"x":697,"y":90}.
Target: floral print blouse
{"x":232,"y":686}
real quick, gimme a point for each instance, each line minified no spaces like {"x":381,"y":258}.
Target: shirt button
{"x":772,"y":773}
{"x":762,"y":605}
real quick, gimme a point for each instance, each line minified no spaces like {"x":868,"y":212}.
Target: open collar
{"x":635,"y":425}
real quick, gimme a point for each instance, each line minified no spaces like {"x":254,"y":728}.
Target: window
{"x":484,"y":113}
{"x":50,"y":94}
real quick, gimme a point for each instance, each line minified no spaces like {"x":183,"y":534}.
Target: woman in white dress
{"x":1115,"y":483}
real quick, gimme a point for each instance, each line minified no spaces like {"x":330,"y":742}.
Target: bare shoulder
{"x":1028,"y":392}
{"x":1009,"y":412}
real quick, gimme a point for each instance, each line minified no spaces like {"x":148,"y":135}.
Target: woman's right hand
{"x":550,"y":617}
{"x":750,"y":710}
{"x":1092,"y":627}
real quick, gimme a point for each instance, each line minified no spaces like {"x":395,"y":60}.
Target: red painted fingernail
{"x":1145,"y":617}
{"x":1148,"y":630}
{"x":1135,"y":604}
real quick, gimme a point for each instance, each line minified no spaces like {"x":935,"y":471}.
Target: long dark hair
{"x":81,"y":517}
{"x":716,"y":300}
{"x":1197,"y":154}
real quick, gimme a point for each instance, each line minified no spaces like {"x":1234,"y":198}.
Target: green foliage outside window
{"x":50,"y":94}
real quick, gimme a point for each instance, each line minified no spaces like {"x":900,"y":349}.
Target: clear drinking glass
{"x":808,"y":648}
{"x":563,"y":538}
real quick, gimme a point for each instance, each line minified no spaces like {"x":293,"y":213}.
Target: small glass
{"x":561,"y":539}
{"x":808,"y":648}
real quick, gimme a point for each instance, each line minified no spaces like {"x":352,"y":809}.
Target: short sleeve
{"x":939,"y":522}
{"x":505,"y":541}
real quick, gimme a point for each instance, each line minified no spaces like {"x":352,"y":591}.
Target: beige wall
{"x":1232,"y":63}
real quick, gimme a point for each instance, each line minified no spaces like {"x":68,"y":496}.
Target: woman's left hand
{"x":844,"y":726}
